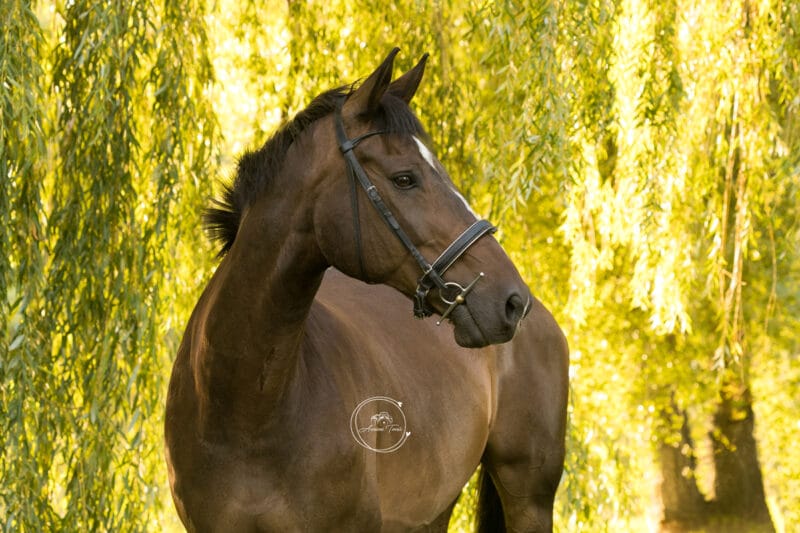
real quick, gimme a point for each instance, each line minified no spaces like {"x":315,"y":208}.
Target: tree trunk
{"x":683,"y":504}
{"x":740,"y":503}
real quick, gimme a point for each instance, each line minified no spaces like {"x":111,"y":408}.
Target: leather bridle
{"x":450,"y":292}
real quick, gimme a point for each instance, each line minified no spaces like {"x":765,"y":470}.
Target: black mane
{"x":257,"y":168}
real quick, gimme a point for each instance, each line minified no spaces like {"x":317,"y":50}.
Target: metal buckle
{"x":459,"y":299}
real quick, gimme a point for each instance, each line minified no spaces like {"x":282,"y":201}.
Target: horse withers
{"x":311,"y":393}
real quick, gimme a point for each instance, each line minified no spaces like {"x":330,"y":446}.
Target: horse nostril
{"x":515,"y":307}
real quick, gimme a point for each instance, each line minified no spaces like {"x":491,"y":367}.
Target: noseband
{"x":450,"y":292}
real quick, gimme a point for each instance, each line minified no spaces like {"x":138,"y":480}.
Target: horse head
{"x":386,"y":211}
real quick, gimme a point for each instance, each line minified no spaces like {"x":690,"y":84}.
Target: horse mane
{"x":257,"y":168}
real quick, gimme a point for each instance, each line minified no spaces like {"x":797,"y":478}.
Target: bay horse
{"x":306,"y":397}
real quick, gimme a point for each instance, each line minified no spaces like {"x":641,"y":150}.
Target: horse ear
{"x":406,"y":85}
{"x":367,"y":98}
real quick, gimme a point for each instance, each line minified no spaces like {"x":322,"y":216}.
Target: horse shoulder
{"x":541,"y":332}
{"x":538,"y":369}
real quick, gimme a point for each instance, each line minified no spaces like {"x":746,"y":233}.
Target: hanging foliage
{"x":92,"y":200}
{"x":642,"y":160}
{"x":24,"y":460}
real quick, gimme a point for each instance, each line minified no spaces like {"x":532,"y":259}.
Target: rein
{"x":450,"y":292}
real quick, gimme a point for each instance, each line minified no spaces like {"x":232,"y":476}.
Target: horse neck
{"x":255,"y":310}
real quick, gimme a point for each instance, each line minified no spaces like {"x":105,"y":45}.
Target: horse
{"x":306,"y":397}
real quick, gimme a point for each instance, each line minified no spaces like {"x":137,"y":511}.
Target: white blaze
{"x":428,"y":156}
{"x":464,"y":201}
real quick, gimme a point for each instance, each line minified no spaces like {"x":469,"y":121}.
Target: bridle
{"x":450,"y":292}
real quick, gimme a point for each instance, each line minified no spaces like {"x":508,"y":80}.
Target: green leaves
{"x":101,"y":123}
{"x":642,"y":160}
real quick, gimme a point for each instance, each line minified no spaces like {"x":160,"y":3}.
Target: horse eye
{"x":403,"y":181}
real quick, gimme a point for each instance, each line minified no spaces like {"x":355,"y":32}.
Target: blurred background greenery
{"x":641,"y":158}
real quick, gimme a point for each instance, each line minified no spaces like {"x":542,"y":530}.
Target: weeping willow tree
{"x":641,"y":159}
{"x":23,"y":149}
{"x":106,"y":129}
{"x":668,"y":132}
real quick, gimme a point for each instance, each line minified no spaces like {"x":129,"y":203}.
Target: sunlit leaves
{"x":641,"y":158}
{"x":92,"y":206}
{"x":658,"y":138}
{"x":23,"y":457}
